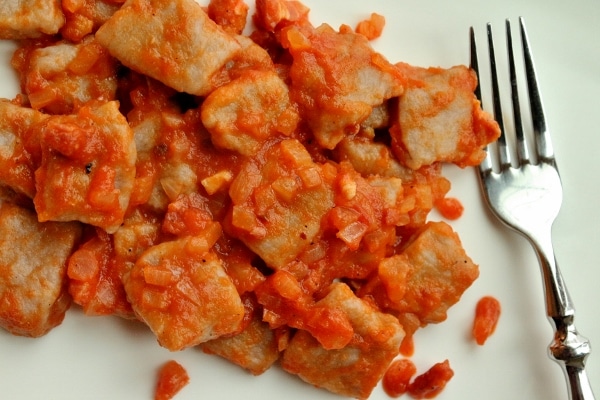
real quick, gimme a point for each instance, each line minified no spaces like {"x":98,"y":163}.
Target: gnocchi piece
{"x":377,"y":337}
{"x":242,"y":115}
{"x":428,"y":277}
{"x":33,"y":263}
{"x":30,"y":18}
{"x":181,"y":291}
{"x":88,"y":167}
{"x":250,"y":58}
{"x":174,"y":42}
{"x":231,"y":15}
{"x":337,"y":79}
{"x":62,"y":77}
{"x":422,"y":189}
{"x":175,"y":154}
{"x":19,"y":155}
{"x":370,"y":158}
{"x":440,"y":119}
{"x":254,"y":349}
{"x":278,"y":206}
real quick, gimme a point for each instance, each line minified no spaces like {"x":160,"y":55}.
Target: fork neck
{"x":568,"y":347}
{"x":558,"y":300}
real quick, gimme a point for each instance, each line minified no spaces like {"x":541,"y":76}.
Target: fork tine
{"x":474,"y":62}
{"x":486,"y":165}
{"x":503,"y":152}
{"x":543,"y":144}
{"x":522,"y":152}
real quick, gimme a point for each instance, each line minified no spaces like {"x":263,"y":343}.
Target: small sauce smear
{"x":487,"y":314}
{"x":431,"y":383}
{"x":450,"y":208}
{"x":172,"y":377}
{"x":397,"y":378}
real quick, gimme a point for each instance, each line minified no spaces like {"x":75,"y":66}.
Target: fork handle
{"x":568,"y":347}
{"x":570,"y":350}
{"x":579,"y":384}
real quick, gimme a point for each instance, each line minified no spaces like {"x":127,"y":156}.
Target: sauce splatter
{"x":487,"y":314}
{"x":172,"y":377}
{"x":450,"y":208}
{"x":397,"y":378}
{"x":431,"y":383}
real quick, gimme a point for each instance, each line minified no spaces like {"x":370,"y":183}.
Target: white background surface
{"x":108,"y":358}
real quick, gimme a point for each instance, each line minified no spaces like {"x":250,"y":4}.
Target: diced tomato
{"x":372,"y":27}
{"x":330,"y":326}
{"x":229,"y":14}
{"x":41,"y":98}
{"x":271,"y":13}
{"x":237,"y":261}
{"x":188,"y":215}
{"x":86,"y":58}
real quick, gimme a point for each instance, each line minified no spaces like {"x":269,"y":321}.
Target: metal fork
{"x":526,"y":196}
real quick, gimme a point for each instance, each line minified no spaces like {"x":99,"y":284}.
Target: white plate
{"x":108,"y":358}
